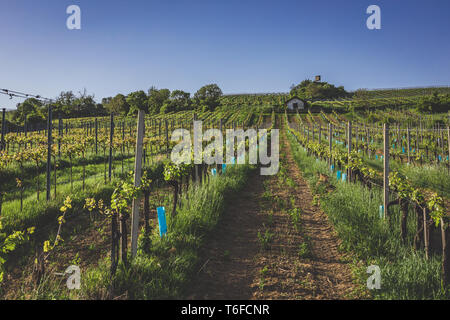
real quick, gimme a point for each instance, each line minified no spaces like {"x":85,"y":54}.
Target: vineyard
{"x":355,"y":188}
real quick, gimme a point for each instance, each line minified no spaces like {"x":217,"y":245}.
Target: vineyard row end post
{"x":2,"y":146}
{"x":330,"y":139}
{"x":408,"y":144}
{"x":219,"y":166}
{"x":96,"y":136}
{"x":386,"y":169}
{"x":111,"y":137}
{"x":49,"y":150}
{"x":167,"y":138}
{"x":60,"y":135}
{"x":349,"y":144}
{"x":196,"y":165}
{"x":137,"y":181}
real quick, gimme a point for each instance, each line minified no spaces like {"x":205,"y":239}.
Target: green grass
{"x":94,"y":167}
{"x":304,"y":250}
{"x":159,"y":272}
{"x":427,"y":176}
{"x":265,"y":239}
{"x":40,"y":213}
{"x":353,"y":210}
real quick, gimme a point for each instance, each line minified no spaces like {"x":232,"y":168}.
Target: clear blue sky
{"x":243,"y":46}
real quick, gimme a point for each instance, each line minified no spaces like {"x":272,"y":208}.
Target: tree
{"x":207,"y":97}
{"x":85,"y":105}
{"x":32,"y":108}
{"x":106,"y":100}
{"x":118,"y":105}
{"x":314,"y":90}
{"x":64,"y":104}
{"x":434,"y":103}
{"x":179,"y":100}
{"x":137,"y":100}
{"x":156,"y":99}
{"x":69,"y":105}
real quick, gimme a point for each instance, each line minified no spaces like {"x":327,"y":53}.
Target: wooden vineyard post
{"x":195,"y":165}
{"x":60,"y":135}
{"x":349,"y":146}
{"x":445,"y":232}
{"x":345,"y":135}
{"x":421,"y":132}
{"x":219,"y":165}
{"x":96,"y":136}
{"x":2,"y":146}
{"x":442,"y":143}
{"x":386,"y":169}
{"x":123,"y":143}
{"x":25,"y":127}
{"x":49,"y":150}
{"x":448,"y":138}
{"x":330,"y":139}
{"x":137,"y":182}
{"x":307,"y":140}
{"x":167,"y":139}
{"x":416,"y":138}
{"x":426,"y":232}
{"x":320,"y":134}
{"x":408,"y":143}
{"x":111,"y":137}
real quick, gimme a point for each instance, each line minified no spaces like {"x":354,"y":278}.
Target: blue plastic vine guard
{"x":344,"y":177}
{"x":224,"y":168}
{"x":162,"y":221}
{"x":213,"y":171}
{"x":338,"y":175}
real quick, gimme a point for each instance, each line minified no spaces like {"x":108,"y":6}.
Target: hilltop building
{"x":295,"y":104}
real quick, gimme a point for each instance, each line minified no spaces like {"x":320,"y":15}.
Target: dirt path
{"x":259,"y":252}
{"x":228,"y":258}
{"x":332,"y":275}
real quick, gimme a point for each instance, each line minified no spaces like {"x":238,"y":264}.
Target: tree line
{"x":71,"y":105}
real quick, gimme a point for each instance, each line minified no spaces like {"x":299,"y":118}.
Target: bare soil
{"x":236,"y":265}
